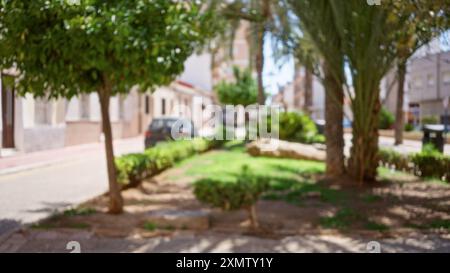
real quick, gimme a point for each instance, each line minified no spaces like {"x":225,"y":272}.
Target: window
{"x":417,"y":82}
{"x":121,"y":106}
{"x":446,"y":77}
{"x":163,"y":107}
{"x":147,"y":104}
{"x":430,"y":80}
{"x":43,"y":112}
{"x":84,"y":106}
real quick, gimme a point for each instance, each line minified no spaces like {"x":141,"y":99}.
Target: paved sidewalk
{"x":188,"y":242}
{"x":28,"y":161}
{"x":408,"y":146}
{"x":34,"y":186}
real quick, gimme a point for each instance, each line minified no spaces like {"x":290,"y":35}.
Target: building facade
{"x":32,"y":124}
{"x":429,"y":83}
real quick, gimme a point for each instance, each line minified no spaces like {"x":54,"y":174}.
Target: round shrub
{"x":296,"y":127}
{"x":243,"y":193}
{"x":386,"y":119}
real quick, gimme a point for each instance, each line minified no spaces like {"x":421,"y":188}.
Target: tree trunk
{"x":260,"y":66}
{"x":308,"y":91}
{"x":363,"y":161}
{"x":399,"y":116}
{"x":334,"y":131}
{"x":115,"y":198}
{"x":253,"y":217}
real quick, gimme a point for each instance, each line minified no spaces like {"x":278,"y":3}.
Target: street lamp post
{"x":446,"y":117}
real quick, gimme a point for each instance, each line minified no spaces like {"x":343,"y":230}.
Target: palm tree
{"x":307,"y":56}
{"x":366,"y":38}
{"x":323,"y":50}
{"x":265,"y":17}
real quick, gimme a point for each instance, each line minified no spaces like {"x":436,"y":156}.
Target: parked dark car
{"x":164,"y":129}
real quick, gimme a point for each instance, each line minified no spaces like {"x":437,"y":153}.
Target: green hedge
{"x":297,"y":127}
{"x":133,"y":168}
{"x":387,"y":119}
{"x":428,"y":163}
{"x":431,"y":163}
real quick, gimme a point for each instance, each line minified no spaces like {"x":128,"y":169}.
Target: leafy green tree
{"x":423,"y":21}
{"x":65,"y":48}
{"x":243,"y":91}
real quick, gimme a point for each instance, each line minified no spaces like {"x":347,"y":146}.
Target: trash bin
{"x":434,"y":134}
{"x":320,"y":125}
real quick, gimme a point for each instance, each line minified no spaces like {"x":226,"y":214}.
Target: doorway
{"x":7,"y":111}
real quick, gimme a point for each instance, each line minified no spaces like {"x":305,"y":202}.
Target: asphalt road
{"x":31,"y":195}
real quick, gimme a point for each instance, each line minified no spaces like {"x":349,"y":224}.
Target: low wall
{"x":82,"y":132}
{"x":42,"y":138}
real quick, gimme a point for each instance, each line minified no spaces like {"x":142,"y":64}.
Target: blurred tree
{"x":365,"y":36}
{"x":307,"y":56}
{"x":65,"y":48}
{"x":265,"y":17}
{"x":423,"y":21}
{"x":243,"y":91}
{"x":317,"y":45}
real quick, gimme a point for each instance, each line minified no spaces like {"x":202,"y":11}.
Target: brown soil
{"x":400,"y":206}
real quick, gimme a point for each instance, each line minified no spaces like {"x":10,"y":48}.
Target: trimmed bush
{"x":431,"y":163}
{"x":386,"y":119}
{"x":428,"y":163}
{"x":298,"y":127}
{"x":391,"y":158}
{"x":430,"y":120}
{"x":133,"y":168}
{"x":409,"y":127}
{"x":243,"y":193}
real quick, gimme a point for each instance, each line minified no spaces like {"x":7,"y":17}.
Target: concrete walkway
{"x":188,"y":242}
{"x":408,"y":146}
{"x":33,"y":186}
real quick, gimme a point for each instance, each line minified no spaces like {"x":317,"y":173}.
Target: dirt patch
{"x":383,"y":209}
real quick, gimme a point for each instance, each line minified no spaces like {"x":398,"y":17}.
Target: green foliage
{"x":79,"y":212}
{"x":440,"y":224}
{"x":298,"y":127}
{"x":150,"y":226}
{"x":431,"y":163}
{"x":430,"y":120}
{"x":243,"y":91}
{"x":62,"y":49}
{"x":428,"y":163}
{"x":395,"y":159}
{"x":386,"y":119}
{"x":409,"y":127}
{"x":132,"y":168}
{"x":241,"y":193}
{"x":341,"y":220}
{"x":370,"y":225}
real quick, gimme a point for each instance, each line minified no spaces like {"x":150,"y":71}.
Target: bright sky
{"x":279,"y":73}
{"x":276,"y":73}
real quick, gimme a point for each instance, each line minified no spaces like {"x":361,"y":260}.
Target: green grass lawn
{"x":227,"y":164}
{"x":289,"y":179}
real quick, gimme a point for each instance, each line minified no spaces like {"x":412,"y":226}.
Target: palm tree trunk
{"x":308,"y":91}
{"x":115,"y":198}
{"x":260,"y":66}
{"x":334,"y":131}
{"x":363,"y":161}
{"x":399,"y":116}
{"x":254,"y":224}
